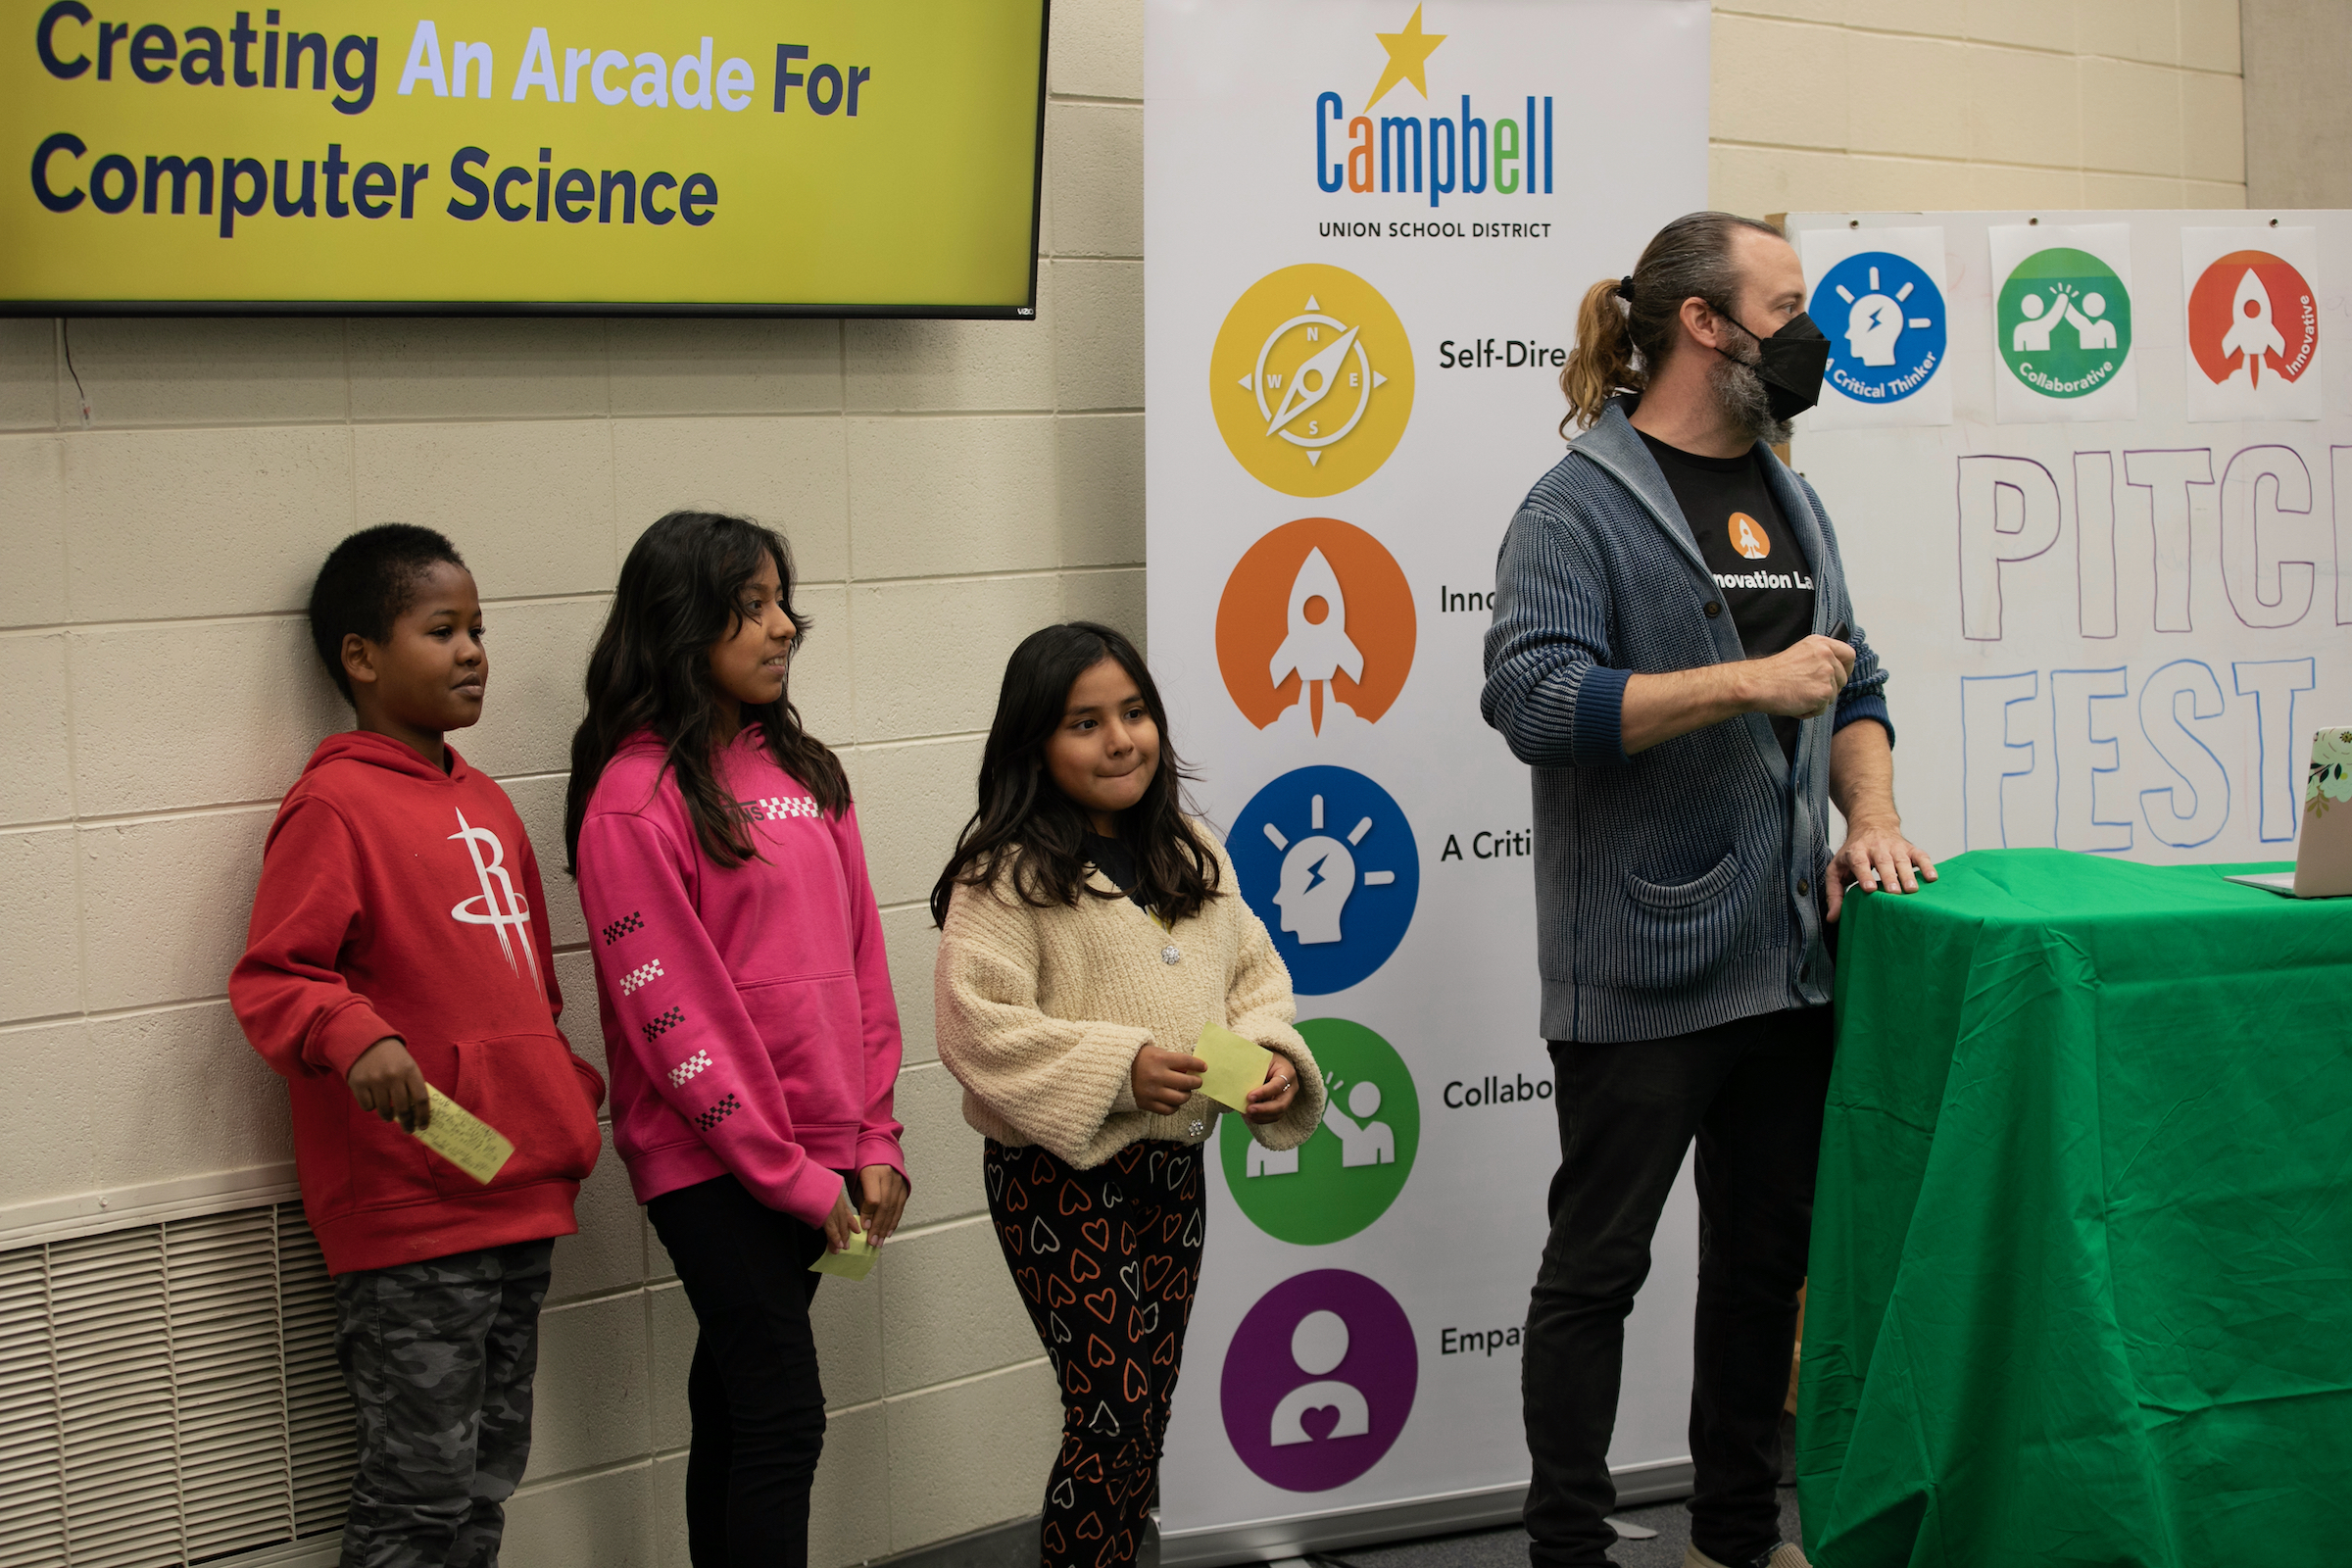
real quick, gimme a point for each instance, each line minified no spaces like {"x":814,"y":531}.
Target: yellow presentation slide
{"x":723,"y":154}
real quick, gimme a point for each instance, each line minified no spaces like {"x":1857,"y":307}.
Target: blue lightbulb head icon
{"x":1874,"y":326}
{"x":1328,"y":862}
{"x":1892,"y":342}
{"x":1318,"y":875}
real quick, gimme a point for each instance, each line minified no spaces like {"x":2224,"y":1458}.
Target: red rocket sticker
{"x":2252,"y":317}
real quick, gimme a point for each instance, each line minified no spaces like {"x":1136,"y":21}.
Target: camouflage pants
{"x":439,"y":1356}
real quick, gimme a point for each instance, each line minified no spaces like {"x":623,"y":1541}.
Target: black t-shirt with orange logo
{"x":1767,"y":584}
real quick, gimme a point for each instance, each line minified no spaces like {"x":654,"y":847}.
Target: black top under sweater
{"x":1115,"y":861}
{"x":1751,"y":550}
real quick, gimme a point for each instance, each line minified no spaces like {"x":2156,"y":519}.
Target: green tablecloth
{"x":2081,"y":1273}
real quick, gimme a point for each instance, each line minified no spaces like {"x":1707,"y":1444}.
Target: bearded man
{"x":1675,"y":655}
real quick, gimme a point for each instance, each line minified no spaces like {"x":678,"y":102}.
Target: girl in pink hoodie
{"x":749,"y":1027}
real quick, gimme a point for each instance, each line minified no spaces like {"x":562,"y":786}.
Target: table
{"x":2082,"y":1275}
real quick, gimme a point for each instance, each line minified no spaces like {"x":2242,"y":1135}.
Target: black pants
{"x":758,"y":1407}
{"x":1751,"y":1092}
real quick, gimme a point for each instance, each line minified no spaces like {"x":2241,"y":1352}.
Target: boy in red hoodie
{"x":397,"y":941}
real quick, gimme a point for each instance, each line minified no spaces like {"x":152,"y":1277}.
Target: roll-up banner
{"x":1369,"y":223}
{"x":351,"y":155}
{"x":2092,"y":473}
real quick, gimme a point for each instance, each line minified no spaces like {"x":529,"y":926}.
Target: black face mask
{"x":1792,"y":362}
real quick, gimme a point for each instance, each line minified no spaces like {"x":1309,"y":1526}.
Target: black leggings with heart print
{"x":1107,"y":1260}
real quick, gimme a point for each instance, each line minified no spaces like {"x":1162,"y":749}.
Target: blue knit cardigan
{"x":1682,"y":887}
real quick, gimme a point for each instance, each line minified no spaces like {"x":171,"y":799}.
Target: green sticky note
{"x":853,"y":1262}
{"x":1235,"y":1066}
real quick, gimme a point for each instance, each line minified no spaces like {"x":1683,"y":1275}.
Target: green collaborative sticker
{"x":1348,"y":1174}
{"x":2065,"y":322}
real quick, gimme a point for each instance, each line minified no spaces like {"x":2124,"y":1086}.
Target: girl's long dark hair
{"x":679,"y":593}
{"x":1025,"y":822}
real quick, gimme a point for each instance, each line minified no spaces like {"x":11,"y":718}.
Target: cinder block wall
{"x":2298,"y":115}
{"x":1905,"y":105}
{"x":946,"y":486}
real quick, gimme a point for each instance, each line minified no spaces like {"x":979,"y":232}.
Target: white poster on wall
{"x":2252,"y":345}
{"x":1879,"y":297}
{"x":1369,"y":223}
{"x":2062,"y":323}
{"x":2114,"y":636}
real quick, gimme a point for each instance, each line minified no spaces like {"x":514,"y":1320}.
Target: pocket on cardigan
{"x":1673,"y":897}
{"x":1676,"y":933}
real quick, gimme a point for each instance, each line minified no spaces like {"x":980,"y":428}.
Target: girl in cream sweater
{"x":1090,"y":929}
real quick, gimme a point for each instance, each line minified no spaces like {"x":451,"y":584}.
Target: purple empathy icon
{"x":1319,"y":1380}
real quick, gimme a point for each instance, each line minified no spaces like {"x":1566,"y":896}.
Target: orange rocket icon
{"x":2252,"y":332}
{"x":1748,"y":536}
{"x":2253,"y":320}
{"x":1317,"y":617}
{"x":1315,"y":646}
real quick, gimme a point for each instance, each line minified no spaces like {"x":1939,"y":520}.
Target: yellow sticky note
{"x":1235,"y":1066}
{"x":853,"y":1262}
{"x":464,"y":1138}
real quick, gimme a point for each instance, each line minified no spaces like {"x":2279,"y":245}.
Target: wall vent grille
{"x":169,"y":1394}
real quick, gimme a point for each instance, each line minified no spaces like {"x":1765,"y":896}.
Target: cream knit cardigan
{"x":1041,"y":1012}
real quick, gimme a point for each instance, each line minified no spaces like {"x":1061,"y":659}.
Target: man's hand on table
{"x":1877,"y":858}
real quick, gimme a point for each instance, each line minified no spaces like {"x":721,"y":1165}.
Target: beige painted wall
{"x":2298,"y":102}
{"x":1908,"y":104}
{"x":947,"y":487}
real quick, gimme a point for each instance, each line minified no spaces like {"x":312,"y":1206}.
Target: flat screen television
{"x":876,"y":158}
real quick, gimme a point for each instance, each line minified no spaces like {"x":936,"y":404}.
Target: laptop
{"x":2323,"y":847}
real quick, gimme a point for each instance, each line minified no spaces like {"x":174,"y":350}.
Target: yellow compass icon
{"x":1312,"y":381}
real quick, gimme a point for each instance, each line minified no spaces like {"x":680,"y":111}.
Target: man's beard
{"x":1741,"y":397}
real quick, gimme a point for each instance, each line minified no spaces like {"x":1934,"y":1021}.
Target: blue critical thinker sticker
{"x":1327,"y":859}
{"x":1885,"y":321}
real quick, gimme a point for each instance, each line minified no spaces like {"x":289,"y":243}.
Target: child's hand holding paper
{"x":1235,"y":1066}
{"x":850,"y":1249}
{"x":463,"y":1139}
{"x":1271,"y":1099}
{"x":853,"y":1262}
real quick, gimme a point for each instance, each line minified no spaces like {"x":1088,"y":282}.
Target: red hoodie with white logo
{"x":399,"y":899}
{"x":748,"y":1017}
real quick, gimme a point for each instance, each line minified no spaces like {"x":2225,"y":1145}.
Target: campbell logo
{"x":1432,"y":154}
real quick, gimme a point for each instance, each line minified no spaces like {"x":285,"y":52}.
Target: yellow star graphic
{"x":1409,"y":51}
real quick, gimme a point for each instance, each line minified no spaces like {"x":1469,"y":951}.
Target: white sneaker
{"x":1784,"y":1555}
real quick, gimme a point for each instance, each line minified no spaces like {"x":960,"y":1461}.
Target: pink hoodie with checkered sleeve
{"x":748,"y":1018}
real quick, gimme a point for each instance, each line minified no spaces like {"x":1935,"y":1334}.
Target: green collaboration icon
{"x":2064,"y":322}
{"x":1348,"y":1174}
